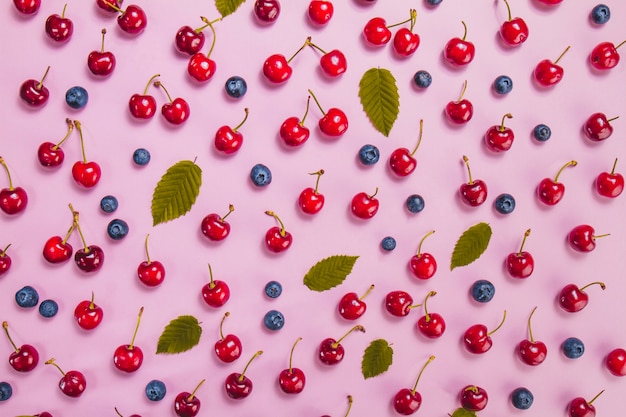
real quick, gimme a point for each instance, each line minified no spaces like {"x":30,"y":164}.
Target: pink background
{"x":242,"y":261}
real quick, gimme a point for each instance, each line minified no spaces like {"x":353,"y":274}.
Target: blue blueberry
{"x":141,"y":156}
{"x":542,"y":132}
{"x":27,"y":297}
{"x":155,"y":390}
{"x":260,"y":175}
{"x":76,"y":97}
{"x":433,"y":2}
{"x":369,"y":154}
{"x":505,"y":203}
{"x":274,"y":320}
{"x":415,"y":203}
{"x":236,"y":87}
{"x":573,"y":347}
{"x":6,"y":391}
{"x":600,"y":14}
{"x":422,"y":79}
{"x":108,"y":204}
{"x":48,"y":308}
{"x":273,"y":289}
{"x":388,"y":243}
{"x":483,"y":291}
{"x":503,"y":84}
{"x":117,"y":229}
{"x":522,"y":398}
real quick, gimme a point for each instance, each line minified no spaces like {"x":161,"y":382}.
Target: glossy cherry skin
{"x":604,"y":56}
{"x":499,"y":139}
{"x":609,"y":184}
{"x":33,"y":93}
{"x":176,"y":112}
{"x":188,"y":41}
{"x":407,"y":402}
{"x":101,"y":63}
{"x":201,"y":68}
{"x":238,"y":386}
{"x":334,"y":123}
{"x":13,"y":201}
{"x":597,"y":128}
{"x":25,"y":359}
{"x":133,"y":20}
{"x":476,"y":339}
{"x":87,"y":315}
{"x":364,"y":206}
{"x":547,"y":73}
{"x":330,"y":352}
{"x":550,"y":192}
{"x":615,"y":362}
{"x":581,"y":238}
{"x":474,"y":194}
{"x":276,"y":69}
{"x":86,"y":174}
{"x":292,"y":381}
{"x":459,"y":112}
{"x":514,"y":32}
{"x":351,"y":307}
{"x":405,"y":42}
{"x":310,"y":201}
{"x":459,"y":52}
{"x":423,"y":265}
{"x":5,"y":263}
{"x":89,"y":260}
{"x":216,"y":294}
{"x":127,"y":358}
{"x":579,"y":407}
{"x":142,"y":106}
{"x":572,"y":299}
{"x":73,"y":384}
{"x":186,"y":405}
{"x":520,"y":265}
{"x":277,"y":242}
{"x":293,"y":132}
{"x":431,"y":326}
{"x":27,"y":7}
{"x":227,"y":140}
{"x":532,"y":353}
{"x":551,"y":2}
{"x":266,"y":11}
{"x":320,"y":11}
{"x":229,"y":348}
{"x":214,"y":227}
{"x":473,"y":398}
{"x":334,"y":63}
{"x":105,"y":5}
{"x":50,"y":155}
{"x":58,"y":28}
{"x":56,"y":251}
{"x":376,"y":31}
{"x":401,"y":162}
{"x":151,"y":273}
{"x":398,"y":303}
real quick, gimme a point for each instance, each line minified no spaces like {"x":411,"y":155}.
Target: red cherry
{"x":228,"y":348}
{"x":34,"y":93}
{"x":405,"y":41}
{"x":604,"y":56}
{"x":201,"y":67}
{"x":351,"y":306}
{"x":177,"y":110}
{"x":214,"y":227}
{"x":228,"y":140}
{"x":458,"y":51}
{"x":615,"y":362}
{"x":473,"y":398}
{"x":292,"y":380}
{"x":365,"y":206}
{"x":101,"y":63}
{"x":5,"y":261}
{"x":27,"y":7}
{"x":573,"y":299}
{"x":399,"y":303}
{"x":293,"y":132}
{"x":72,"y":383}
{"x":22,"y":359}
{"x":238,"y":385}
{"x":548,"y":73}
{"x":187,"y":404}
{"x":477,"y":339}
{"x":216,"y":293}
{"x":277,"y":239}
{"x":87,"y":314}
{"x":331,"y":352}
{"x":334,"y":123}
{"x":431,"y":325}
{"x":50,"y":154}
{"x":376,"y":31}
{"x":550,"y":2}
{"x":149,"y":272}
{"x":520,"y":264}
{"x":579,"y":407}
{"x":133,"y":20}
{"x":310,"y":200}
{"x":500,"y":138}
{"x":86,"y":174}
{"x":190,"y":41}
{"x":530,"y":351}
{"x":276,"y":67}
{"x":266,"y":11}
{"x":59,"y":28}
{"x":610,"y":184}
{"x":550,"y":191}
{"x":513,"y":31}
{"x":408,"y":401}
{"x":107,"y":5}
{"x":460,"y":111}
{"x":13,"y":200}
{"x":582,"y":239}
{"x":57,"y":250}
{"x":423,"y":265}
{"x":333,"y":63}
{"x":401,"y":161}
{"x":143,"y":106}
{"x":128,"y":358}
{"x":597,"y":127}
{"x":320,"y":11}
{"x":474,"y":192}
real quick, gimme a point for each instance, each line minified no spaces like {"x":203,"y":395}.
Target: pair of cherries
{"x":143,"y":106}
{"x":405,"y":41}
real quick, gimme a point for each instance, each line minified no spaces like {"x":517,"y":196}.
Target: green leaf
{"x":472,"y":243}
{"x":377,"y":358}
{"x":226,"y":7}
{"x":329,"y":272}
{"x":379,"y":97}
{"x":180,"y":335}
{"x":462,"y":412}
{"x":176,"y":192}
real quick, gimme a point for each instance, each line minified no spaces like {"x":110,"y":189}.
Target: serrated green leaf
{"x":329,"y":272}
{"x":226,"y":7}
{"x":176,"y":192}
{"x":471,"y":245}
{"x":180,"y":335}
{"x":462,"y":412}
{"x":379,"y":97}
{"x":377,"y":358}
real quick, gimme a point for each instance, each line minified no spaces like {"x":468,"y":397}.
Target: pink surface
{"x":242,"y":45}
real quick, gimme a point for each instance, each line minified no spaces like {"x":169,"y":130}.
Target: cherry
{"x":331,"y":351}
{"x":27,"y":7}
{"x":399,"y":303}
{"x":320,"y":11}
{"x":334,"y":123}
{"x":228,"y":140}
{"x":604,"y":55}
{"x":13,"y":200}
{"x":133,"y":20}
{"x":87,"y":314}
{"x":548,"y":73}
{"x":56,"y":249}
{"x":50,"y":154}
{"x":277,"y":239}
{"x":72,"y":383}
{"x":228,"y":348}
{"x":460,"y":111}
{"x":292,"y":380}
{"x":201,"y":67}
{"x":579,"y":407}
{"x":149,"y":272}
{"x":401,"y":161}
{"x":333,"y":63}
{"x":101,"y":63}
{"x":59,"y":28}
{"x":513,"y":31}
{"x":293,"y":132}
{"x":190,"y":41}
{"x":477,"y":339}
{"x":351,"y":306}
{"x":177,"y":110}
{"x":405,"y":41}
{"x":238,"y":385}
{"x":34,"y":93}
{"x":365,"y":206}
{"x":187,"y":404}
{"x":573,"y":299}
{"x":88,"y":258}
{"x":458,"y":51}
{"x":532,"y":352}
{"x":22,"y":359}
{"x":107,"y":5}
{"x":615,"y":362}
{"x":431,"y":325}
{"x":266,"y":11}
{"x":215,"y":227}
{"x":5,"y":260}
{"x":550,"y":2}
{"x":376,"y":31}
{"x":597,"y":127}
{"x":86,"y":174}
{"x":408,"y":401}
{"x":473,"y":398}
{"x":550,"y":191}
{"x":276,"y":67}
{"x":610,"y":184}
{"x":128,"y":358}
{"x":143,"y":106}
{"x":520,"y":264}
{"x":216,"y":293}
{"x":500,"y":138}
{"x":310,"y":200}
{"x":423,"y":265}
{"x":582,"y":239}
{"x":474,"y":192}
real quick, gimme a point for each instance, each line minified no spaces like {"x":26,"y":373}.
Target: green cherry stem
{"x":350,"y":401}
{"x":614,"y":166}
{"x":306,"y":111}
{"x":314,"y":46}
{"x":375,"y":192}
{"x":601,"y":284}
{"x":206,"y":23}
{"x":193,"y":393}
{"x":92,"y":305}
{"x":530,"y":330}
{"x":596,"y":397}
{"x":5,"y":326}
{"x":506,"y":116}
{"x":63,"y":12}
{"x":508,"y":8}
{"x":462,"y":91}
{"x":258,"y":353}
{"x":430,"y":294}
{"x":430,"y":359}
{"x":132,"y":341}
{"x":561,"y":56}
{"x":231,"y":208}
{"x":78,"y":126}
{"x":45,"y":74}
{"x":317,"y":181}
{"x":222,"y":324}
{"x":317,"y":102}
{"x":464,"y":30}
{"x":499,"y":325}
{"x":146,"y":248}
{"x":4,"y":251}
{"x":52,"y":362}
{"x":526,"y":234}
{"x":355,"y":328}
{"x":304,"y":45}
{"x":419,"y":138}
{"x":411,"y":19}
{"x":620,"y":44}
{"x":210,"y":24}
{"x":150,"y":81}
{"x":469,"y":172}
{"x":158,"y":84}
{"x":613,"y":118}
{"x":69,"y":232}
{"x":369,"y":290}
{"x":245,"y":117}
{"x":70,"y":129}
{"x":419,"y":247}
{"x":77,"y":225}
{"x":104,"y":32}
{"x":291,"y":354}
{"x":280,"y":222}
{"x":570,"y":163}
{"x":6,"y":169}
{"x":211,"y":281}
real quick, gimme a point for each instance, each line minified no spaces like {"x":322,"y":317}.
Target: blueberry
{"x":369,"y":154}
{"x":108,"y":204}
{"x":274,"y":320}
{"x":6,"y":391}
{"x":236,"y":87}
{"x":542,"y":132}
{"x":433,"y":2}
{"x":483,"y":291}
{"x":505,"y":203}
{"x":155,"y":390}
{"x":260,"y":175}
{"x":573,"y":347}
{"x":388,"y":243}
{"x":503,"y":84}
{"x":117,"y":229}
{"x":415,"y":203}
{"x":600,"y":14}
{"x":522,"y":398}
{"x":141,"y":156}
{"x":273,"y":289}
{"x":422,"y":79}
{"x":76,"y":97}
{"x":27,"y":297}
{"x":48,"y":308}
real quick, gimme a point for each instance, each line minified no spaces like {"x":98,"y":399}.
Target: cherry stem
{"x":70,"y":128}
{"x":570,"y":163}
{"x":311,"y":44}
{"x":214,"y":38}
{"x":561,"y":56}
{"x":599,"y":236}
{"x":114,"y":7}
{"x":430,"y":359}
{"x":282,"y":226}
{"x":410,"y":19}
{"x":145,"y":90}
{"x":413,"y":19}
{"x":4,"y":252}
{"x":78,"y":126}
{"x":243,"y":121}
{"x":614,"y":118}
{"x":231,"y":208}
{"x":45,"y":74}
{"x":620,"y":44}
{"x":118,"y":413}
{"x":6,"y":168}
{"x":146,"y":247}
{"x":211,"y":282}
{"x":258,"y":353}
{"x":596,"y":397}
{"x":77,"y":225}
{"x":69,"y":232}
{"x":51,"y":362}
{"x":526,"y":234}
{"x":375,"y":192}
{"x":306,"y":111}
{"x":304,"y":45}
{"x":157,"y":84}
{"x":419,"y":138}
{"x":462,"y":91}
{"x":193,"y":393}
{"x":350,"y":401}
{"x":369,"y":290}
{"x":92,"y":305}
{"x":530,"y":330}
{"x":464,"y":30}
{"x":430,"y":294}
{"x":469,"y":173}
{"x":222,"y":323}
{"x":132,"y":341}
{"x":506,"y":116}
{"x":355,"y":328}
{"x":419,"y":247}
{"x":291,"y":354}
{"x":5,"y":326}
{"x":499,"y":325}
{"x":206,"y":23}
{"x":508,"y":8}
{"x":614,"y":166}
{"x":317,"y":181}
{"x":104,"y":32}
{"x":317,"y":102}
